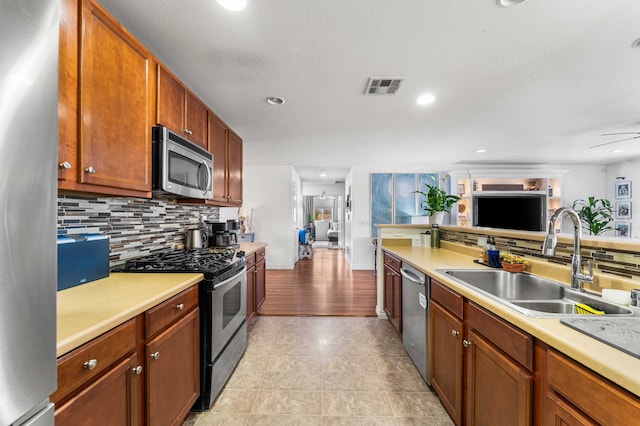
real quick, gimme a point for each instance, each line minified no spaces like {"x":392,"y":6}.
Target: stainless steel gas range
{"x":222,"y":300}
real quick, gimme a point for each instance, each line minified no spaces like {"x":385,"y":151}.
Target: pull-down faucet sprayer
{"x":551,"y":240}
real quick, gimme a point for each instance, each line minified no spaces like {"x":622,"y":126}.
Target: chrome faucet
{"x":551,"y":240}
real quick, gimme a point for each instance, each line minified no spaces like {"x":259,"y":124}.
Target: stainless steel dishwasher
{"x":415,"y":316}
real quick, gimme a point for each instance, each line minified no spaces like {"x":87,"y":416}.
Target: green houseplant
{"x":436,"y":198}
{"x":595,"y":213}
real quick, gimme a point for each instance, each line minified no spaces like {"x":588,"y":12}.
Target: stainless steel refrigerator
{"x":28,"y":153}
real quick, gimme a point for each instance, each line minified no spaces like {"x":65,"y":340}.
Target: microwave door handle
{"x":204,"y":191}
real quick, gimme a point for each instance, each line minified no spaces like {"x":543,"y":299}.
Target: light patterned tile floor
{"x":324,"y":371}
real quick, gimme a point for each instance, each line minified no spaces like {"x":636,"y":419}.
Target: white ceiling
{"x":534,"y":83}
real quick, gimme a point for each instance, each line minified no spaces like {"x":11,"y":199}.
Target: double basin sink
{"x":532,"y":295}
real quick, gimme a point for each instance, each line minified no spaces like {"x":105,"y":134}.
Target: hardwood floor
{"x":324,"y":285}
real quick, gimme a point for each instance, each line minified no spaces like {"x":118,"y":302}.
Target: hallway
{"x":324,"y":285}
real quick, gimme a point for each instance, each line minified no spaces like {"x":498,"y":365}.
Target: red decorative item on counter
{"x":514,"y":267}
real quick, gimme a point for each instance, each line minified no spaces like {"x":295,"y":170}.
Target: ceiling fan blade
{"x":612,"y":142}
{"x":624,"y":133}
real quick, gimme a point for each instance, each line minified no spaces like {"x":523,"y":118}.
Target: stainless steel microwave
{"x":180,"y":168}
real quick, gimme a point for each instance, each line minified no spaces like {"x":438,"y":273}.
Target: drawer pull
{"x":455,"y":333}
{"x":180,"y":306}
{"x":90,"y":170}
{"x":91,"y":364}
{"x":137,"y":370}
{"x":155,"y":355}
{"x":466,"y":343}
{"x":65,"y":165}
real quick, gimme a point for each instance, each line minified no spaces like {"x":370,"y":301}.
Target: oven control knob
{"x":155,"y":355}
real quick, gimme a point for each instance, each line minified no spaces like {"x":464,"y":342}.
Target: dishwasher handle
{"x":418,"y":279}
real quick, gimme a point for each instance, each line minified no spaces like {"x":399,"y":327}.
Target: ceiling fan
{"x":637,"y":136}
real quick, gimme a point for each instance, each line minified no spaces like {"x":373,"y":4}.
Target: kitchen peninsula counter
{"x":609,"y":362}
{"x":250,"y":248}
{"x":87,"y":311}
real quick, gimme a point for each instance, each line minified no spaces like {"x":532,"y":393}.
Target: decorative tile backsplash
{"x":136,"y":226}
{"x":625,"y":264}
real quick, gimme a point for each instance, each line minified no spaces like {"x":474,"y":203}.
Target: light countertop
{"x":611,"y":363}
{"x":87,"y":311}
{"x":250,"y":248}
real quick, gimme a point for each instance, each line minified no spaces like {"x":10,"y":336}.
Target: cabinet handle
{"x":137,"y":370}
{"x":466,"y":343}
{"x":90,"y":170}
{"x":180,"y":306}
{"x":455,"y":333}
{"x":188,"y":132}
{"x":64,"y":165}
{"x":155,"y":355}
{"x":91,"y":364}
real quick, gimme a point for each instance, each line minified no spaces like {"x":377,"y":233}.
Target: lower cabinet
{"x":575,"y":395}
{"x":480,"y":366}
{"x":109,"y":400}
{"x":173,"y":361}
{"x":393,"y":291}
{"x":145,"y":371}
{"x":256,"y":283}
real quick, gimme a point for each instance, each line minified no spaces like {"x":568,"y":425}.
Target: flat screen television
{"x":524,"y":212}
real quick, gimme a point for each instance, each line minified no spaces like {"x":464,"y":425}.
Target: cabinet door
{"x":171,"y":102}
{"x":235,"y":169}
{"x":396,"y":319}
{"x":388,"y":292}
{"x":251,"y":294}
{"x":261,"y":290}
{"x":196,"y":120}
{"x":556,"y":412}
{"x":445,"y":359}
{"x":115,"y":104}
{"x":218,"y":147}
{"x":110,"y":400}
{"x":173,"y":376}
{"x":498,"y":390}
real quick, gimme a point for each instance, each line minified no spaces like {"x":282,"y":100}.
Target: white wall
{"x":269,"y":191}
{"x":313,"y":189}
{"x":630,"y":171}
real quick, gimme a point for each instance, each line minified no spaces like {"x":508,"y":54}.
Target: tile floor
{"x":324,"y":371}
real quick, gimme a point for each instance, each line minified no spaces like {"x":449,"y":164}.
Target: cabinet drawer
{"x":447,"y":298}
{"x":260,"y":255}
{"x":600,"y":399}
{"x":251,"y":261}
{"x":392,"y":262}
{"x":159,"y":317}
{"x":513,"y":341}
{"x":91,"y":359}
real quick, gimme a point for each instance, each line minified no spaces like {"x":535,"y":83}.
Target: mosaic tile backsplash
{"x":135,"y":226}
{"x":625,"y":264}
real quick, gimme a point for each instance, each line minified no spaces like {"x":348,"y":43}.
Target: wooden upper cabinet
{"x":116,"y":98}
{"x":180,"y":110}
{"x":235,"y":169}
{"x":218,"y":136}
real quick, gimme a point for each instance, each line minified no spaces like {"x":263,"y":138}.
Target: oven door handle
{"x":230,"y":279}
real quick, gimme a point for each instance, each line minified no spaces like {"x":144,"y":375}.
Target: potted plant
{"x":595,"y":213}
{"x":514,"y":263}
{"x":437,"y":201}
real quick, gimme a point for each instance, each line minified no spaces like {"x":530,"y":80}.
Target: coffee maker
{"x":219,"y":235}
{"x":233,"y":226}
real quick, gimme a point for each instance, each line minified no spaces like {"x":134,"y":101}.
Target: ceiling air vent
{"x":383,"y":86}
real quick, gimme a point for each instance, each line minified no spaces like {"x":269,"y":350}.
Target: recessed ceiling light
{"x":274,"y":100}
{"x":233,"y":4}
{"x":426,"y":99}
{"x":616,"y":151}
{"x":507,"y":3}
{"x":323,"y":173}
{"x":481,"y":150}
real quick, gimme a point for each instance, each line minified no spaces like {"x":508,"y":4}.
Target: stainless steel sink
{"x":507,"y":285}
{"x":532,"y":295}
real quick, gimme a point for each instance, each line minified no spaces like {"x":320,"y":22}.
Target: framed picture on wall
{"x":623,"y":210}
{"x":623,"y":229}
{"x":623,"y":189}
